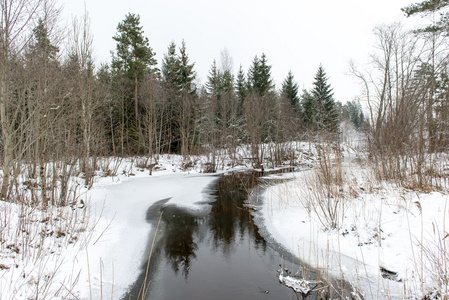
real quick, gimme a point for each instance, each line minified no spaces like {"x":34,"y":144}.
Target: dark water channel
{"x":217,"y":253}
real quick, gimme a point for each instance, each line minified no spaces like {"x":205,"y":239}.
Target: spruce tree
{"x":265,"y":84}
{"x":240,"y":86}
{"x":353,"y":112}
{"x":43,"y":47}
{"x":169,"y":69}
{"x":290,"y":90}
{"x":308,"y":109}
{"x":213,"y":81}
{"x":326,"y":115}
{"x":259,"y":76}
{"x":186,"y":75}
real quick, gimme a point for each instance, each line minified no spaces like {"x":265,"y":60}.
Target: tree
{"x":186,"y":75}
{"x":16,"y":16}
{"x":326,"y":115}
{"x":179,"y":92}
{"x":259,"y":76}
{"x":308,"y":108}
{"x":134,"y":57}
{"x":240,"y":87}
{"x":43,"y":48}
{"x":213,"y":81}
{"x":353,"y":112}
{"x":430,"y":6}
{"x":290,"y":90}
{"x":170,"y":66}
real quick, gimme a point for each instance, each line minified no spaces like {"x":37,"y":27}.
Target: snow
{"x":119,"y":252}
{"x":386,"y":244}
{"x":301,"y":286}
{"x":390,"y":242}
{"x":116,"y":233}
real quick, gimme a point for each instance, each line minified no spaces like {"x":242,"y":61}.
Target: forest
{"x":60,"y":111}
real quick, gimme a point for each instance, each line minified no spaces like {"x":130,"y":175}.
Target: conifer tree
{"x":170,"y":66}
{"x":186,"y":75}
{"x":43,"y":47}
{"x":213,"y":81}
{"x":308,"y":108}
{"x":134,"y":56}
{"x":290,"y":90}
{"x":259,"y":76}
{"x":430,"y":6}
{"x":326,"y":115}
{"x":353,"y":112}
{"x":241,"y":86}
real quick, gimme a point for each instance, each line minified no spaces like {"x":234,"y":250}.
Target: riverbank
{"x":390,"y":242}
{"x":92,"y":249}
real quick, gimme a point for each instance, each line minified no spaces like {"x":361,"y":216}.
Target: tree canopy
{"x":430,"y":6}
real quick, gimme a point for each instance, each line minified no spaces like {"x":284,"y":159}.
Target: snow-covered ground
{"x":391,"y":243}
{"x":114,"y":234}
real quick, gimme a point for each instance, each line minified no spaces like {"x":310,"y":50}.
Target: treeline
{"x":162,"y":109}
{"x":59,"y":111}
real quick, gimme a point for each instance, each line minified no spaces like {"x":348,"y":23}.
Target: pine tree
{"x":430,"y":6}
{"x":290,"y":90}
{"x":134,"y":57}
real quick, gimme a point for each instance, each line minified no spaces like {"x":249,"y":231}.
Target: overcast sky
{"x":295,"y":35}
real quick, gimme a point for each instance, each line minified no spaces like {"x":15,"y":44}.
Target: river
{"x":214,"y":253}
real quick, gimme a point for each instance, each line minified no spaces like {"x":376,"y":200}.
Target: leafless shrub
{"x":325,"y":189}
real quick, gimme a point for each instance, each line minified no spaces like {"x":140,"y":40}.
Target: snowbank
{"x":97,"y":256}
{"x":390,"y":242}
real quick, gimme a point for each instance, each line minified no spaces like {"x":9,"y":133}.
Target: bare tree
{"x":16,"y":18}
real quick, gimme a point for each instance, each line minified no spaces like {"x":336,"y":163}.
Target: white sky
{"x":295,"y":35}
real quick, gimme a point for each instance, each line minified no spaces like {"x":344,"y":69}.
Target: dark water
{"x":217,"y":253}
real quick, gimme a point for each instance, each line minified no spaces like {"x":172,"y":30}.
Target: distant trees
{"x":353,"y":112}
{"x":59,"y":111}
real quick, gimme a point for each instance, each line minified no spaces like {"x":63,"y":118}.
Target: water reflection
{"x":228,"y":217}
{"x":215,"y":254}
{"x":178,"y":240}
